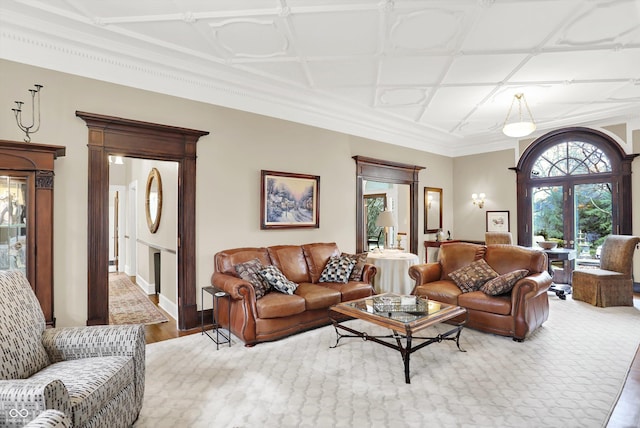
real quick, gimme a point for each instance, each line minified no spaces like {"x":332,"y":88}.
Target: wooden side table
{"x":217,"y":333}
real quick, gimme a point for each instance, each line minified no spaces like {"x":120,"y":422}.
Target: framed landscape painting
{"x":289,"y":200}
{"x":498,"y":221}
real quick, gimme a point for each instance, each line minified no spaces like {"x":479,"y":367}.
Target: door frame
{"x":620,"y":177}
{"x":110,"y":135}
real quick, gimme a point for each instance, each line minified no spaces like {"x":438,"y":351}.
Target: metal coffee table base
{"x":405,"y":350}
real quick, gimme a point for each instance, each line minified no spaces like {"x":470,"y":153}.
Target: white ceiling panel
{"x":581,"y":65}
{"x":438,"y":75}
{"x":336,"y":34}
{"x":516,"y":26}
{"x":486,"y":68}
{"x":342,"y":73}
{"x":594,"y":25}
{"x":412,"y":70}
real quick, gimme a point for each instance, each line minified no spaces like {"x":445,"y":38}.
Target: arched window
{"x":570,"y":158}
{"x":574,"y":187}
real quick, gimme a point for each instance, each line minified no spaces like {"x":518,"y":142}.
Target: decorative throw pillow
{"x":250,"y":272}
{"x":277,"y":280}
{"x":358,"y":268}
{"x":503,"y":283}
{"x":337,"y":269}
{"x":471,"y":277}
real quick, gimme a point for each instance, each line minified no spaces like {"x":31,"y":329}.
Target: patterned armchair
{"x":93,"y":375}
{"x":612,"y":283}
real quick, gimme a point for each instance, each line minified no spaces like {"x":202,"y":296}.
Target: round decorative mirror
{"x":153,"y":200}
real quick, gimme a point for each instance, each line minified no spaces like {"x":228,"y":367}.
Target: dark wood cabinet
{"x":26,"y":215}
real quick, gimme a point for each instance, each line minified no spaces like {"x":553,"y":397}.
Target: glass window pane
{"x":13,"y":228}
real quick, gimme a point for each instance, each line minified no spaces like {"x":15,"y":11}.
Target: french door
{"x":575,"y":214}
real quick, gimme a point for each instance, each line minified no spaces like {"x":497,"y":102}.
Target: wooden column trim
{"x":144,"y":140}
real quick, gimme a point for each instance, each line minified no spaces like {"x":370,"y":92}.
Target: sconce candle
{"x":478,"y":199}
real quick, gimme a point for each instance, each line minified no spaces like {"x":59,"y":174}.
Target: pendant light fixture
{"x":518,"y":125}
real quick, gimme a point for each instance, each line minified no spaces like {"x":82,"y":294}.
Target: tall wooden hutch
{"x":26,"y":215}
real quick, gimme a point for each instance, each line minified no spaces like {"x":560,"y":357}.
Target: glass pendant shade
{"x":517,"y":126}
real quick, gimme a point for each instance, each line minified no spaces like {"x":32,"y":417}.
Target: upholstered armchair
{"x":94,"y":375}
{"x":612,"y":283}
{"x":491,"y":238}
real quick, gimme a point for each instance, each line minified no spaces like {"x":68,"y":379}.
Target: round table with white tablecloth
{"x":393,"y":271}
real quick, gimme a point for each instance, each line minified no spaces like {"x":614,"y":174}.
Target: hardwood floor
{"x":626,"y":413}
{"x":166,"y":330}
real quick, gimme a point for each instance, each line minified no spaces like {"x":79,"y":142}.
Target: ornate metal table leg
{"x":406,"y":356}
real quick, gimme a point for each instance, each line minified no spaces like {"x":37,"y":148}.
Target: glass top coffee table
{"x":404,"y":316}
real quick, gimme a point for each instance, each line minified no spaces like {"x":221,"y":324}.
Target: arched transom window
{"x":570,"y":158}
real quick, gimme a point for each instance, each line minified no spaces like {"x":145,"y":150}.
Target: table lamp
{"x":385,"y":219}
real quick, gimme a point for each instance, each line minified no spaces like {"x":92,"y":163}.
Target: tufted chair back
{"x":21,"y":326}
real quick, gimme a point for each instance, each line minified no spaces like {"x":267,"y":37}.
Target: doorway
{"x":574,"y":187}
{"x":110,"y":135}
{"x":386,"y":172}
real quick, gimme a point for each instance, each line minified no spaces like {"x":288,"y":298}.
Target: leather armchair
{"x":93,"y":375}
{"x":515,"y":314}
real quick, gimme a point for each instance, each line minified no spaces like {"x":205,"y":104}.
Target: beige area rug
{"x":567,"y":374}
{"x":129,"y":305}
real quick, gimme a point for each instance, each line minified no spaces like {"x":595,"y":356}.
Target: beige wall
{"x":230,"y":158}
{"x":489,"y":173}
{"x":486,"y":173}
{"x":229,"y":161}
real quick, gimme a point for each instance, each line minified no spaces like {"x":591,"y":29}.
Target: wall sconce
{"x":429,"y":200}
{"x":478,"y":199}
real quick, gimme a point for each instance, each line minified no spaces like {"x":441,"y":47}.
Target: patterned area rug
{"x":129,"y":305}
{"x":567,"y":374}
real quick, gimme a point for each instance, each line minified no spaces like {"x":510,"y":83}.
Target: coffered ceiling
{"x":435,"y":75}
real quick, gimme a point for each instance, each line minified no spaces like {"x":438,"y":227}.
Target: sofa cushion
{"x":507,"y":258}
{"x":473,"y":276}
{"x":337,"y":269}
{"x":358,"y":268}
{"x":278,"y":305}
{"x":503,"y":283}
{"x":445,"y":291}
{"x":291,"y":262}
{"x":454,"y":255}
{"x":91,"y":382}
{"x":351,"y":290}
{"x":250,"y":272}
{"x":316,"y":296}
{"x":317,"y":255}
{"x":277,"y":280}
{"x":479,"y":301}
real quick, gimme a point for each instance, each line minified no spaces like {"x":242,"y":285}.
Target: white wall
{"x":230,"y":158}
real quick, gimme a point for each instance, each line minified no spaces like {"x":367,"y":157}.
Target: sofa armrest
{"x":237,"y":288}
{"x":531,"y":286}
{"x":424,"y":273}
{"x":369,"y":272}
{"x":22,"y":400}
{"x":72,"y":343}
{"x":50,"y":419}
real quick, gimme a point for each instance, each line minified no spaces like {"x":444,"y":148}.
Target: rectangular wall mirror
{"x":432,"y":209}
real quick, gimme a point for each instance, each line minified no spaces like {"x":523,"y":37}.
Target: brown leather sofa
{"x":516,"y":313}
{"x":276,"y":314}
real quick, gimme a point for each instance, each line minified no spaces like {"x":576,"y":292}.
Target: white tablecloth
{"x":393,"y":271}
